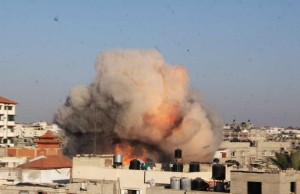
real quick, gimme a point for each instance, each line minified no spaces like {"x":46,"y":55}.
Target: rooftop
{"x":48,"y":162}
{"x":6,"y":101}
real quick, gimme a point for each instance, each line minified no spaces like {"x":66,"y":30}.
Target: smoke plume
{"x":139,"y":100}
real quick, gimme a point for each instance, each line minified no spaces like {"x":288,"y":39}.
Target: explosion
{"x":141,"y":106}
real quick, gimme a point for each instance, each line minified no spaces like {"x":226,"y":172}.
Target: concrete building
{"x":99,"y":168}
{"x":246,"y":154}
{"x":7,"y":121}
{"x":46,"y":144}
{"x":9,"y":174}
{"x":245,"y":182}
{"x":12,"y":162}
{"x":47,"y":169}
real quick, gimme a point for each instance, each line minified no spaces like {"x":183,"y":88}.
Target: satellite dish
{"x":152,"y":182}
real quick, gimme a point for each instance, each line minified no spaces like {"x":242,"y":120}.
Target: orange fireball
{"x":129,"y":152}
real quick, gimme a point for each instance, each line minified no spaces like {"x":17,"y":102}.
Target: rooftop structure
{"x":47,"y":141}
{"x":132,"y":178}
{"x":46,"y":145}
{"x":48,"y":162}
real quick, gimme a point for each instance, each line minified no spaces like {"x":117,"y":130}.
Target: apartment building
{"x":7,"y":121}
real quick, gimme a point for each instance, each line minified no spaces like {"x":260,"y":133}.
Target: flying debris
{"x":56,"y":19}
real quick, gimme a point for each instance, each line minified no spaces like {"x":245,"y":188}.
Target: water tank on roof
{"x":178,"y":153}
{"x":118,"y":160}
{"x":175,"y":183}
{"x":177,"y":167}
{"x":218,"y":172}
{"x":185,"y":183}
{"x":199,"y":184}
{"x":165,"y":167}
{"x":194,"y":167}
{"x":219,"y":187}
{"x":135,"y":164}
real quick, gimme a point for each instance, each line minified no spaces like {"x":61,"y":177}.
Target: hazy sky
{"x":242,"y":55}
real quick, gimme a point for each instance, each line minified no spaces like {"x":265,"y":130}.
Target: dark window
{"x":254,"y":187}
{"x":11,"y":118}
{"x":293,"y":187}
{"x":8,"y":107}
{"x":132,"y":192}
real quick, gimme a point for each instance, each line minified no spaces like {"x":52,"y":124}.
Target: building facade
{"x":7,"y":121}
{"x":284,"y":182}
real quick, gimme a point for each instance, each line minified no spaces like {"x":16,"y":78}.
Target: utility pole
{"x":95,"y":130}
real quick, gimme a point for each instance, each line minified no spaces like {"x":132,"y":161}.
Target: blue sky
{"x":242,"y":55}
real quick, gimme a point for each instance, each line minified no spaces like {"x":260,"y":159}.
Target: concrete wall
{"x":162,"y":177}
{"x":10,"y":189}
{"x":246,"y":154}
{"x":45,"y":176}
{"x":276,"y":183}
{"x":103,"y":187}
{"x":12,"y":162}
{"x":267,"y":149}
{"x":155,"y":190}
{"x":10,"y":176}
{"x":91,"y":169}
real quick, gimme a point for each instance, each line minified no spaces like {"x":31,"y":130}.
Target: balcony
{"x":7,"y":123}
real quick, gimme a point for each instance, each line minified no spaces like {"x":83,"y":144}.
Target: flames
{"x":129,"y":152}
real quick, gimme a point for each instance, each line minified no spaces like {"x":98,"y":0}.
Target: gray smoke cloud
{"x":139,"y":99}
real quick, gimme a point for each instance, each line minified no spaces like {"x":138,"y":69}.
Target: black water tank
{"x":199,"y":184}
{"x":218,"y":172}
{"x":178,"y":153}
{"x":194,"y":167}
{"x":177,"y":167}
{"x":165,"y":167}
{"x":219,"y":187}
{"x":135,"y":164}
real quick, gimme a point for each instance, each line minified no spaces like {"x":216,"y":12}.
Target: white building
{"x":7,"y":121}
{"x":47,"y":169}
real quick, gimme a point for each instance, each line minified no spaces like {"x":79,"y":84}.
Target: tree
{"x":284,"y":160}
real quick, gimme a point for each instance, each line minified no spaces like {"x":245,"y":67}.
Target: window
{"x":272,"y":153}
{"x":233,"y":154}
{"x":254,"y":187}
{"x":11,"y":118}
{"x":130,"y":191}
{"x":8,"y":107}
{"x":264,"y":153}
{"x":243,"y":153}
{"x":224,"y":154}
{"x":293,"y":187}
{"x":133,"y":192}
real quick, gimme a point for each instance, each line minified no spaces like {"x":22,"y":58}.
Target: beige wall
{"x":246,"y":154}
{"x":276,"y":183}
{"x":9,"y":189}
{"x":155,"y":190}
